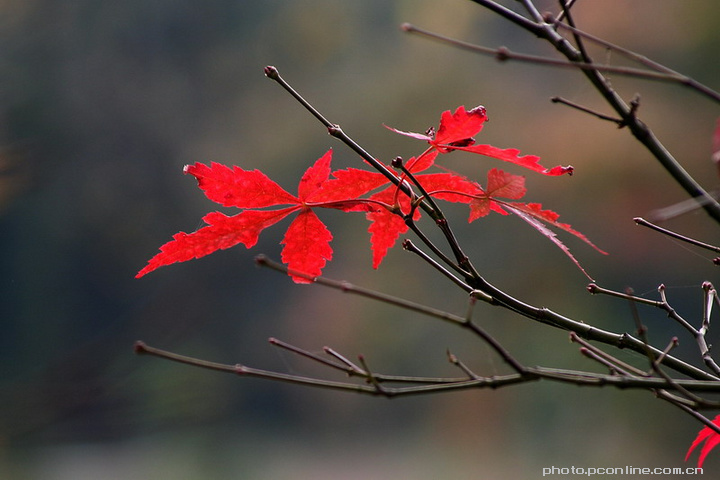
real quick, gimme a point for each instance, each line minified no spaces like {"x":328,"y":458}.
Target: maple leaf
{"x":711,"y":439}
{"x":456,"y":132}
{"x":307,"y":240}
{"x":505,"y":185}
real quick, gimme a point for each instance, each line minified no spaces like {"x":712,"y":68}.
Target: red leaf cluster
{"x":306,"y":243}
{"x":307,"y":240}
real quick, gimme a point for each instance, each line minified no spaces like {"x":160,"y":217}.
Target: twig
{"x":578,"y":39}
{"x":456,"y":361}
{"x":610,"y":365}
{"x":409,"y":246}
{"x":347,"y":287}
{"x":503,"y":54}
{"x":644,"y":223}
{"x":616,"y":362}
{"x":438,"y":385}
{"x":710,"y":296}
{"x":601,"y":116}
{"x":347,"y":368}
{"x":679,"y":77}
{"x":595,"y":289}
{"x":566,"y":6}
{"x":337,"y":132}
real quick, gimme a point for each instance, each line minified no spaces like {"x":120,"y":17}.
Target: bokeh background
{"x":103,"y":103}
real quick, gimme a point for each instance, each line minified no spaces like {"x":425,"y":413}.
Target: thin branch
{"x":337,"y":132}
{"x":601,"y":116}
{"x":596,"y":289}
{"x":578,"y":39}
{"x":441,"y":385}
{"x":672,"y":313}
{"x":434,"y":386}
{"x":602,"y":360}
{"x":701,"y":418}
{"x":530,"y":7}
{"x":503,"y":54}
{"x":456,"y":361}
{"x":710,"y":295}
{"x":350,"y":365}
{"x":616,"y":362}
{"x":347,"y":287}
{"x":350,"y":369}
{"x":463,"y":266}
{"x":566,"y":6}
{"x":644,"y":223}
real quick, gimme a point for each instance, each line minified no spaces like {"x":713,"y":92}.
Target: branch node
{"x":502,"y":54}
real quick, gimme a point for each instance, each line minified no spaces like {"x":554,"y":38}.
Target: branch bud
{"x":271,"y":72}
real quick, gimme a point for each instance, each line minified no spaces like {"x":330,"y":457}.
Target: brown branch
{"x":503,"y":54}
{"x":440,"y":385}
{"x":644,"y":223}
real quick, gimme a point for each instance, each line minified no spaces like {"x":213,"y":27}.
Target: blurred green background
{"x":103,"y":103}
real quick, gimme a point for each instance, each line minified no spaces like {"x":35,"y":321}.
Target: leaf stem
{"x":441,"y":384}
{"x":503,"y":54}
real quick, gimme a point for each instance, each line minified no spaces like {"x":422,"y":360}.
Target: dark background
{"x":103,"y":103}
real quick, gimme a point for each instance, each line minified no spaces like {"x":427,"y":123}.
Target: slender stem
{"x":532,"y":10}
{"x":678,"y":77}
{"x":464,"y":266}
{"x":348,"y":287}
{"x":337,"y":132}
{"x":601,"y":116}
{"x":503,"y":54}
{"x":710,"y":295}
{"x":440,"y":385}
{"x":578,"y":38}
{"x":411,"y":247}
{"x":606,"y":356}
{"x":565,"y":9}
{"x":595,"y":289}
{"x":644,"y":223}
{"x":317,"y":358}
{"x":456,"y":361}
{"x":431,"y":245}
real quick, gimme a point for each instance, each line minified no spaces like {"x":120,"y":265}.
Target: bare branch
{"x":644,"y":223}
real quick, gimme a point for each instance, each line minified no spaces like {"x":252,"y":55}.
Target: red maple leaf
{"x":307,"y":240}
{"x":711,"y":439}
{"x":512,"y":187}
{"x":456,"y":132}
